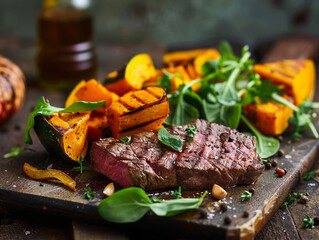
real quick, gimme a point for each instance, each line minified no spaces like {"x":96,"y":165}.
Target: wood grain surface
{"x":20,"y":221}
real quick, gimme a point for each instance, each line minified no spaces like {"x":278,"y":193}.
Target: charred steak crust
{"x":217,"y":154}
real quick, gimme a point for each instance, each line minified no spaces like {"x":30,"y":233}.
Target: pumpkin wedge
{"x":64,"y":134}
{"x":297,"y":77}
{"x":171,"y":59}
{"x":269,"y":118}
{"x":93,"y":91}
{"x":140,"y":69}
{"x":138,"y":111}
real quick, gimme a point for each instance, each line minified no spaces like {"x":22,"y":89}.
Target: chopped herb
{"x":265,"y":161}
{"x":88,"y":194}
{"x":15,"y":151}
{"x":125,"y":140}
{"x":169,"y":140}
{"x":298,"y":195}
{"x":131,"y":204}
{"x":307,"y":222}
{"x":191,"y":132}
{"x":44,"y":108}
{"x":178,"y":193}
{"x":246,"y":196}
{"x":311,"y":175}
{"x":81,"y":168}
{"x":289,"y":200}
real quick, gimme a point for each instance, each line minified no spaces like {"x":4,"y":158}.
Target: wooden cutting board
{"x":51,"y":197}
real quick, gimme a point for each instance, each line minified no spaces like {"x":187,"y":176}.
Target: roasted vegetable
{"x":269,"y":118}
{"x":12,"y":89}
{"x":64,"y":134}
{"x":34,"y":173}
{"x":297,"y":77}
{"x":210,"y":54}
{"x":138,"y":111}
{"x":139,"y":70}
{"x":181,"y":57}
{"x":93,"y":91}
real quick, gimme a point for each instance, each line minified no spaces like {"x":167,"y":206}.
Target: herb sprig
{"x":169,"y":140}
{"x":44,"y":108}
{"x":289,"y":200}
{"x":15,"y":151}
{"x":311,"y":175}
{"x":246,"y":195}
{"x":131,"y":204}
{"x":191,"y":132}
{"x":125,"y":140}
{"x":88,"y":194}
{"x":80,"y":168}
{"x":307,"y":222}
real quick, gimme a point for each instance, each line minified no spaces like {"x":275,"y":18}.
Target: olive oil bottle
{"x":66,"y":52}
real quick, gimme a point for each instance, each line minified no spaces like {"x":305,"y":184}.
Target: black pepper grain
{"x":285,"y":169}
{"x":223,"y":207}
{"x":227,"y":150}
{"x":252,"y":191}
{"x":245,"y":214}
{"x":69,"y":146}
{"x":274,"y":163}
{"x":280,"y":152}
{"x":316,"y":221}
{"x":227,"y":220}
{"x":268,"y":165}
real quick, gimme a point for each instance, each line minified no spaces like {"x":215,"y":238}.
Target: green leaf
{"x":169,"y":140}
{"x":266,"y":146}
{"x":211,"y":66}
{"x":226,"y":51}
{"x":176,"y":206}
{"x":44,"y":108}
{"x":125,"y":140}
{"x":307,"y":222}
{"x":311,"y":174}
{"x":131,"y":204}
{"x":289,"y":200}
{"x":126,"y":205}
{"x":233,"y":114}
{"x":88,"y":194}
{"x":178,"y":193}
{"x":246,"y":195}
{"x":15,"y":151}
{"x":166,"y":80}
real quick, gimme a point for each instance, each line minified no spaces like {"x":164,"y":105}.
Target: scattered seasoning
{"x":252,"y":191}
{"x":280,"y":172}
{"x":246,"y":196}
{"x":245,"y":214}
{"x":280,"y":152}
{"x":280,"y":138}
{"x":289,"y":200}
{"x":223,"y":207}
{"x":227,"y":150}
{"x":268,"y":165}
{"x":69,"y":146}
{"x":303,"y":199}
{"x":316,"y":221}
{"x":227,"y":220}
{"x":88,"y":194}
{"x":307,"y":222}
{"x":191,"y":133}
{"x":125,"y":140}
{"x":41,"y":185}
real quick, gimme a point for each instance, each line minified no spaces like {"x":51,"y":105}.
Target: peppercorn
{"x":245,"y":214}
{"x":223,"y":207}
{"x":252,"y":191}
{"x":303,"y":199}
{"x":280,"y":153}
{"x":268,"y":165}
{"x":285,"y":169}
{"x":274,"y":163}
{"x":280,"y":172}
{"x":316,"y":220}
{"x":227,"y":220}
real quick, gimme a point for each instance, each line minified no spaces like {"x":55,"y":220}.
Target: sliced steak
{"x":217,"y":154}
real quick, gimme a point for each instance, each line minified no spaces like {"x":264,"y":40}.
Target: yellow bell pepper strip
{"x":34,"y":173}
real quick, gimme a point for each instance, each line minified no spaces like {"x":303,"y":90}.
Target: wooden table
{"x":17,"y":224}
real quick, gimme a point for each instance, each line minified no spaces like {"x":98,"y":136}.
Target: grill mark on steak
{"x":217,"y":154}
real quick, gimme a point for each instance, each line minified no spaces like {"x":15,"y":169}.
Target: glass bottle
{"x":66,"y":52}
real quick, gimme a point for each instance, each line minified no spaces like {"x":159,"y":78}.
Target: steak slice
{"x":217,"y":154}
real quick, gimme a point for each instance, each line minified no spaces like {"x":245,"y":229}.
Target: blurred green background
{"x":180,"y":21}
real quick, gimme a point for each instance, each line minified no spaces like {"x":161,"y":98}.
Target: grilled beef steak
{"x":217,"y":154}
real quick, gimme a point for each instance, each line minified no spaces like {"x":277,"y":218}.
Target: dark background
{"x":168,"y":22}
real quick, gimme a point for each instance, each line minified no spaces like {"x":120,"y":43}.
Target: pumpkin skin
{"x":12,"y":89}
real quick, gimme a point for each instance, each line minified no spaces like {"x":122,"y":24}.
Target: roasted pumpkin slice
{"x":93,"y":91}
{"x":138,"y":111}
{"x":64,"y":134}
{"x":269,"y":118}
{"x":171,"y":59}
{"x":140,"y":69}
{"x":297,"y":77}
{"x":210,"y":54}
